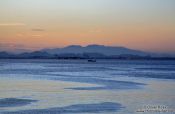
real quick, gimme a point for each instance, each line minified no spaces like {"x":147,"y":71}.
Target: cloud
{"x":36,"y":35}
{"x":10,"y":45}
{"x":96,"y":31}
{"x":12,"y":24}
{"x":17,"y":48}
{"x":38,"y":30}
{"x":20,"y":35}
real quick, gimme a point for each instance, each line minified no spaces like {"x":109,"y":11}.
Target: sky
{"x":147,"y":25}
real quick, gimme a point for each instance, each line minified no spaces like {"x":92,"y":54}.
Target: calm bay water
{"x":78,"y":86}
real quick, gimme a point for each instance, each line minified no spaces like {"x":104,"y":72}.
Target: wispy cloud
{"x":11,"y":45}
{"x":38,"y":30}
{"x":20,"y":35}
{"x":37,"y":35}
{"x":17,"y":48}
{"x":12,"y":24}
{"x":96,"y":31}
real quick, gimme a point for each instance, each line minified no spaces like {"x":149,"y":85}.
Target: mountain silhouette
{"x":106,"y":50}
{"x":86,"y":52}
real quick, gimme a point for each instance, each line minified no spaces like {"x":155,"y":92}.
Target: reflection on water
{"x":105,"y":87}
{"x":13,"y":102}
{"x":79,"y":108}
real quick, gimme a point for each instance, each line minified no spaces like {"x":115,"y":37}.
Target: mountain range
{"x":105,"y":50}
{"x":90,"y":51}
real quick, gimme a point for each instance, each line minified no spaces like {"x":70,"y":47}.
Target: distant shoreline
{"x":75,"y":58}
{"x":80,"y":56}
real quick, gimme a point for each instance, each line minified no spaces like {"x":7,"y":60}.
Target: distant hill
{"x":35,"y":54}
{"x":87,"y":52}
{"x":4,"y":54}
{"x":105,"y":50}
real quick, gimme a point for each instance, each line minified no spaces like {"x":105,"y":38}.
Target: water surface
{"x":76,"y":86}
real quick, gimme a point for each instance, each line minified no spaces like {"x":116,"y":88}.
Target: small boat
{"x":91,"y":60}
